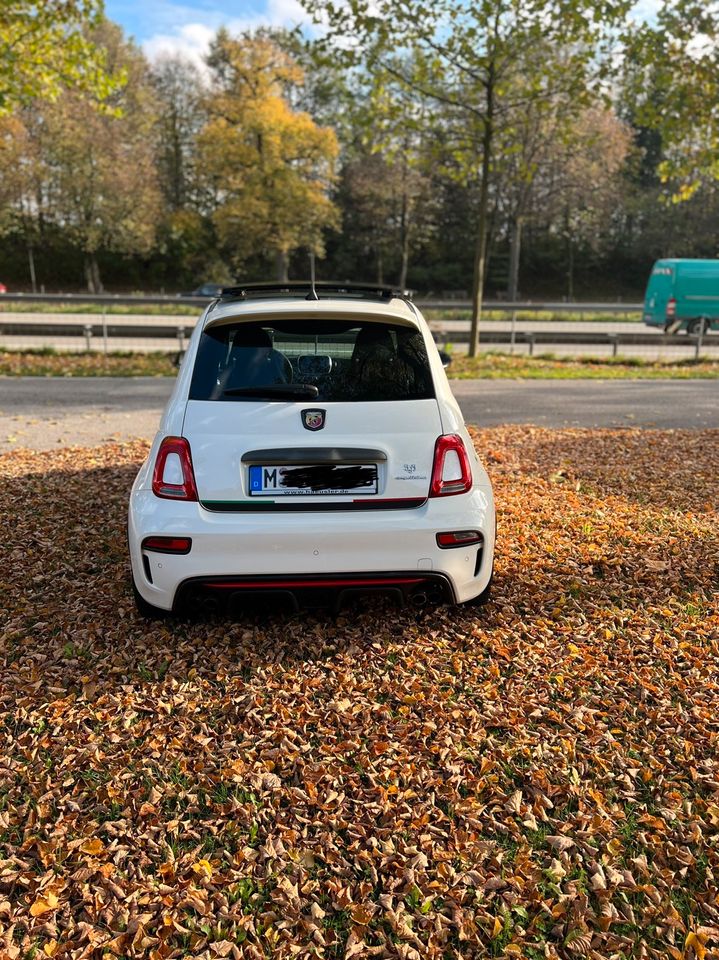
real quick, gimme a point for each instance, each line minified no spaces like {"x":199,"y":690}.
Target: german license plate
{"x":325,"y":479}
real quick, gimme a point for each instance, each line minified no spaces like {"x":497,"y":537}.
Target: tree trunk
{"x":405,"y":244}
{"x":514,"y":252}
{"x":31,"y":264}
{"x":97,"y":280}
{"x":570,"y":257}
{"x":480,"y":261}
{"x":281,"y":265}
{"x":89,"y":279}
{"x":92,"y":274}
{"x":404,"y":227}
{"x":480,"y":257}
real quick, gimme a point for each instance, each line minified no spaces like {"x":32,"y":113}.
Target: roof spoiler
{"x":310,"y":290}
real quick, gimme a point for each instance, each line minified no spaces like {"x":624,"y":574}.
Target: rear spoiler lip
{"x":257,"y":311}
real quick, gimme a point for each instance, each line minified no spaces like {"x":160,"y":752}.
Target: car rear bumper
{"x":315,"y":551}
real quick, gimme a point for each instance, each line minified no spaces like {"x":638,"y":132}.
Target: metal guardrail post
{"x":181,"y":338}
{"x":104,"y":330}
{"x":698,"y":345}
{"x":614,"y":340}
{"x":530,"y":343}
{"x":87,"y":329}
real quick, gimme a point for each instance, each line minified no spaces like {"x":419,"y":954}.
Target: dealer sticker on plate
{"x":327,"y":479}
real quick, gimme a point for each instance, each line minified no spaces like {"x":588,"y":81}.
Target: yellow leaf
{"x":497,"y":929}
{"x":203,"y":868}
{"x":93,"y":847}
{"x":614,"y":846}
{"x":696,"y":944}
{"x":50,"y":947}
{"x":44,"y":905}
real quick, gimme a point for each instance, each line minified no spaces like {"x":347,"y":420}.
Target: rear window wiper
{"x":280,"y":391}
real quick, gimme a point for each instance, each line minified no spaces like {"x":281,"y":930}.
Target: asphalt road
{"x":44,"y":413}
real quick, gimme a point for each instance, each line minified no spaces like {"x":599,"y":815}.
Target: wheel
{"x":145,"y":609}
{"x":698,"y":325}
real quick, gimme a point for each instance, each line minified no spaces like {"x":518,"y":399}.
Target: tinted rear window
{"x":345,"y":361}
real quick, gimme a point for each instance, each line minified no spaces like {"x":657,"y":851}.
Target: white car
{"x":311,"y":450}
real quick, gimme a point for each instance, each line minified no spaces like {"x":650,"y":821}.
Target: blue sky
{"x":164,"y":26}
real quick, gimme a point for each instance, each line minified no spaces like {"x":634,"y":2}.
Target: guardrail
{"x":92,"y":332}
{"x":523,"y":306}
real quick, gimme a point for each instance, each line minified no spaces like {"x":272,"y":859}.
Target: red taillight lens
{"x":167,"y":544}
{"x":451,"y":472}
{"x":458,"y":538}
{"x":671,"y":308}
{"x":173,"y":477}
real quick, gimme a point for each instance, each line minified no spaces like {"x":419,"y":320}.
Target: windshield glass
{"x":342,"y":360}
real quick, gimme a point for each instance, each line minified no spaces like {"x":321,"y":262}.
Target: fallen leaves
{"x":537,"y":779}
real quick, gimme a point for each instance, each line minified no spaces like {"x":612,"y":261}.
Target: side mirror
{"x":445,"y":358}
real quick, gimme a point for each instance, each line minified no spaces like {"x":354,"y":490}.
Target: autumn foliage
{"x":535,"y":779}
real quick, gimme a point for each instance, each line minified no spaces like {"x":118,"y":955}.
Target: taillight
{"x":173,"y":477}
{"x":451,"y":472}
{"x":671,"y":308}
{"x":458,"y":538}
{"x":167,"y":544}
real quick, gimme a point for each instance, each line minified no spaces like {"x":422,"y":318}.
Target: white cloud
{"x":192,"y":39}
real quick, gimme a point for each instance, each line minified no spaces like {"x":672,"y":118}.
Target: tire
{"x":698,"y":325}
{"x":145,"y":609}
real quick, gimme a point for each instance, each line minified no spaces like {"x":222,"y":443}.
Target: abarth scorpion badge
{"x":313,"y":419}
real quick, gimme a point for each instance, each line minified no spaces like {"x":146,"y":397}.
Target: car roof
{"x":396,"y":310}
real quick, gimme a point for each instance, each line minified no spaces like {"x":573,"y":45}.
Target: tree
{"x":268,"y":166}
{"x":102,"y":164}
{"x":181,"y":115}
{"x":479,"y":63}
{"x":25,"y":182}
{"x":45,"y":48}
{"x":672,"y":84}
{"x":584,"y":183}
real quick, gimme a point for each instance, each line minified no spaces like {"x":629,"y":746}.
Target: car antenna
{"x":312,"y":295}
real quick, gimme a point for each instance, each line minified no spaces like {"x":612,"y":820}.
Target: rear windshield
{"x":342,"y":360}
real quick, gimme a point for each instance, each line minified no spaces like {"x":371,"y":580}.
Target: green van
{"x":683,"y":294}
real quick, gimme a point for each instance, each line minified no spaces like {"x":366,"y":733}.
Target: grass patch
{"x":547,"y":366}
{"x":97,"y":309}
{"x":546,"y":316}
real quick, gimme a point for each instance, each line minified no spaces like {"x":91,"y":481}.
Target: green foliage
{"x":45,"y":48}
{"x":672,"y":84}
{"x":471,"y":71}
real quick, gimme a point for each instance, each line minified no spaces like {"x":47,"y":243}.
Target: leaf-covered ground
{"x":539,"y":778}
{"x":48,"y":362}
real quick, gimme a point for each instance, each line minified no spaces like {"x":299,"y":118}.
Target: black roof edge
{"x":297,"y":288}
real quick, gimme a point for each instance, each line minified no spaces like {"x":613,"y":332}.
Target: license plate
{"x":326,"y":479}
